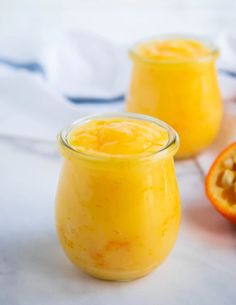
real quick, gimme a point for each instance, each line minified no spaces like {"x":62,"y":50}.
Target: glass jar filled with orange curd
{"x":174,"y":79}
{"x":117,"y":205}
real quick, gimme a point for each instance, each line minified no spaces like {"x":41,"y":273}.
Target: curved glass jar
{"x":117,"y":216}
{"x":185,"y":94}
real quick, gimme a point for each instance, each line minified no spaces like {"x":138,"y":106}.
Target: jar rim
{"x":213,"y":49}
{"x":170,"y":147}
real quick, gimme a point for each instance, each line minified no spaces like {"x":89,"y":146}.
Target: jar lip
{"x":213,"y":49}
{"x":171,"y":146}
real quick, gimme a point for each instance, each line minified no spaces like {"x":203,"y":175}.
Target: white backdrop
{"x":119,"y":20}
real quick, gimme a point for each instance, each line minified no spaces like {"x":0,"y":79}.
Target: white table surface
{"x":34,"y":271}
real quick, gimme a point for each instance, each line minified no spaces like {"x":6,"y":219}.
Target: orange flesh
{"x":223,"y":197}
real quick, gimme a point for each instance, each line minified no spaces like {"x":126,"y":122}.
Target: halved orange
{"x":220,"y":183}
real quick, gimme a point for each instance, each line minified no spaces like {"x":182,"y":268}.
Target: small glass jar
{"x":117,"y":216}
{"x":185,"y":94}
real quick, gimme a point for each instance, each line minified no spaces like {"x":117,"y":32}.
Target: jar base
{"x":122,"y":277}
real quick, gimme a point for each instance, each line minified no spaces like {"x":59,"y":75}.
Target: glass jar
{"x":185,"y":94}
{"x":117,"y":216}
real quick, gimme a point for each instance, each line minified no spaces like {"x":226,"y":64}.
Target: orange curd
{"x":117,"y":206}
{"x":174,"y":79}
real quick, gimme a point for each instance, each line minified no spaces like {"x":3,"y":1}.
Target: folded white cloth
{"x":81,"y":64}
{"x":77,"y":64}
{"x":30,"y":107}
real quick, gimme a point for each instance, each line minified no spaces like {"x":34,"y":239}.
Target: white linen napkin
{"x":30,"y":107}
{"x":81,"y":64}
{"x":78,"y":64}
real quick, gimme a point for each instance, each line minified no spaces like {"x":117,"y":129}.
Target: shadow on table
{"x":205,"y":222}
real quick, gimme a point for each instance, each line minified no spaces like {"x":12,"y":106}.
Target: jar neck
{"x":212,"y":55}
{"x":168,"y":150}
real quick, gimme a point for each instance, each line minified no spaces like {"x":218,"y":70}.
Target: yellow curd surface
{"x":118,"y":137}
{"x":173,"y":50}
{"x":117,"y":206}
{"x":175,"y":80}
